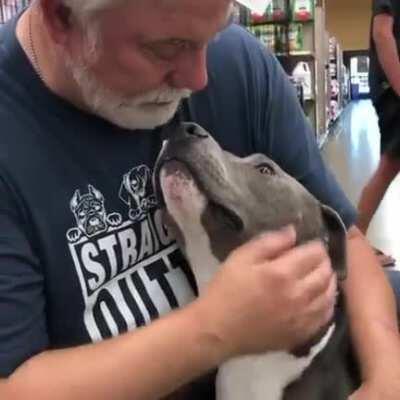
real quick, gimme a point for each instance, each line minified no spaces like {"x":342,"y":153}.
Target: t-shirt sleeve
{"x":382,"y":7}
{"x":286,"y":136}
{"x":23,"y":330}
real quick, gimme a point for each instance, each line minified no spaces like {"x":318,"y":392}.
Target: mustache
{"x":164,"y":94}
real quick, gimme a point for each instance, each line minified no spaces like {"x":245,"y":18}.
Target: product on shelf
{"x":302,"y":74}
{"x":302,"y":10}
{"x":335,"y":87}
{"x":266,"y":34}
{"x":280,"y":39}
{"x":333,"y":70}
{"x":334,"y":110}
{"x":277,"y":11}
{"x":270,"y":38}
{"x":296,"y":37}
{"x":257,"y":18}
{"x":299,"y":90}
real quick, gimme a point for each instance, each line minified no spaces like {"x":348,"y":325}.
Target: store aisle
{"x":352,"y":151}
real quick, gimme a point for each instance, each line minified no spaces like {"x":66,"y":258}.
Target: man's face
{"x":149,"y":55}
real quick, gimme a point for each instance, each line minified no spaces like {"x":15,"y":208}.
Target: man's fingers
{"x":270,"y":245}
{"x":305,"y":258}
{"x":318,"y":281}
{"x":324,"y":305}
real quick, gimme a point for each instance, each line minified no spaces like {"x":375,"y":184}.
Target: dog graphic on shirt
{"x":90,"y":215}
{"x":137,"y":192}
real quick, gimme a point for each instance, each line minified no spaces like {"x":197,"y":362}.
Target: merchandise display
{"x":295,"y":30}
{"x":302,"y":75}
{"x":8,"y":8}
{"x":339,"y":82}
{"x":277,"y":11}
{"x":287,"y":28}
{"x":302,"y":10}
{"x":279,"y":38}
{"x":296,"y":37}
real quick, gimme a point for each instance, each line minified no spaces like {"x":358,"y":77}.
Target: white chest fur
{"x":264,"y":376}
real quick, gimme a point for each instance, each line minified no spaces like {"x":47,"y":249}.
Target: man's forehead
{"x":157,"y":19}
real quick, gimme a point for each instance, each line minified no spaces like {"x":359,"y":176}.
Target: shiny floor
{"x":352,"y":151}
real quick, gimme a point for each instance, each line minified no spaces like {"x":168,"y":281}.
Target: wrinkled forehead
{"x":198,"y":21}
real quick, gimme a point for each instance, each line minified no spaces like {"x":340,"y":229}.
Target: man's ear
{"x":57,"y":18}
{"x":337,"y":241}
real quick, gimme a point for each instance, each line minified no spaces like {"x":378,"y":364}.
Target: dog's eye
{"x":265,"y":169}
{"x":227,"y":217}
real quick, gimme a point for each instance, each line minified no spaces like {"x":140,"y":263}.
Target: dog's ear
{"x":124,"y":190}
{"x":75,"y":200}
{"x":97,"y":194}
{"x":336,"y":241}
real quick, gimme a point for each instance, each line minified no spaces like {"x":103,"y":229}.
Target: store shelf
{"x":302,"y":47}
{"x":282,"y":22}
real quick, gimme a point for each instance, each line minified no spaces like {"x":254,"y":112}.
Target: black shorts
{"x":388,"y":109}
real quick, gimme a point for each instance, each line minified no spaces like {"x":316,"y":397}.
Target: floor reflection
{"x":352,"y":151}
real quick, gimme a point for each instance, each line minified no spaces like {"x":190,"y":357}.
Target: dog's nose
{"x":186,"y":132}
{"x":192,"y":129}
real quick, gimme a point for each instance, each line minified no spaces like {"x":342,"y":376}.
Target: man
{"x":385,"y":90}
{"x":83,"y":253}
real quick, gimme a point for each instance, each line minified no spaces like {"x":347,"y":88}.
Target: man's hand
{"x":377,"y":391}
{"x":270,"y":295}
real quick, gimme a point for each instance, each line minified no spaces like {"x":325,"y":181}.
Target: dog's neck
{"x":203,"y":262}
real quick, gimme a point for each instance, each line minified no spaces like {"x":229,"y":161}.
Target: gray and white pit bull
{"x":215,"y":202}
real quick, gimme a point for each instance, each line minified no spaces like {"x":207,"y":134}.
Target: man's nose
{"x":191,"y":71}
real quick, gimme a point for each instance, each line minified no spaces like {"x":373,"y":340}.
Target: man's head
{"x":134,"y":60}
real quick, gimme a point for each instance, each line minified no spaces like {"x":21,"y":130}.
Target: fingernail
{"x":290,"y":231}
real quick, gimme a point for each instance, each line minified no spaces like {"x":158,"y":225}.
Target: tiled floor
{"x":352,"y":151}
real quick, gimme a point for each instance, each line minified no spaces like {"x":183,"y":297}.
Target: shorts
{"x":387,"y":107}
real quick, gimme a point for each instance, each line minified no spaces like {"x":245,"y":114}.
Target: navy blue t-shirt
{"x":83,"y":252}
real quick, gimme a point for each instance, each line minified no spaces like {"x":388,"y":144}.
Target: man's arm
{"x":386,"y":47}
{"x":146,"y":364}
{"x":269,"y":273}
{"x":372,"y":311}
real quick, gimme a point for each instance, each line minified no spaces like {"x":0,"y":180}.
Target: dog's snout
{"x":191,"y":129}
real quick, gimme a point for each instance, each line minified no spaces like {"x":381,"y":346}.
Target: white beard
{"x":145,"y":111}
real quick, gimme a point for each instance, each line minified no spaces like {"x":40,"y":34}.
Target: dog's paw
{"x":148,"y":203}
{"x":73,"y":235}
{"x":114,"y":219}
{"x":136,"y":215}
{"x":153,"y":201}
{"x":144,"y":204}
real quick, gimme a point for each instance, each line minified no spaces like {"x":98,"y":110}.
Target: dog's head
{"x":89,"y":211}
{"x":135,"y":183}
{"x":216,"y":201}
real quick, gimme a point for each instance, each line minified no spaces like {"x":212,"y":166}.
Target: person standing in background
{"x":384,"y":82}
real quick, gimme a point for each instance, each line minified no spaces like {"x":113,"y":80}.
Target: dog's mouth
{"x":178,"y":168}
{"x":177,"y":182}
{"x":174,"y":178}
